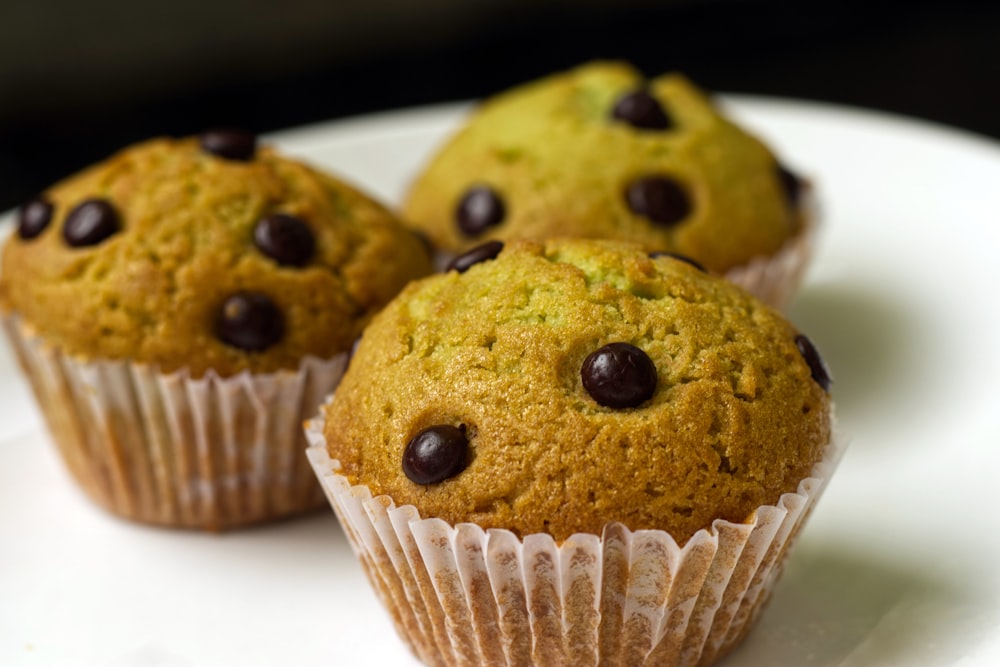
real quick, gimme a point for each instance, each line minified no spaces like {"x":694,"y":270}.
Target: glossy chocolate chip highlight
{"x":679,"y":258}
{"x":481,"y":253}
{"x":642,"y":111}
{"x":820,"y":373}
{"x":229,"y":143}
{"x":249,"y":321}
{"x":34,"y":216}
{"x":619,"y":375}
{"x":659,"y":198}
{"x":479,"y":209}
{"x":90,"y":223}
{"x":286,"y":239}
{"x":435,"y":454}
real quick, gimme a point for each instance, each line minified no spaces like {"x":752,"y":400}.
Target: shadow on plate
{"x":870,"y":343}
{"x":837,"y":608}
{"x":314,"y":538}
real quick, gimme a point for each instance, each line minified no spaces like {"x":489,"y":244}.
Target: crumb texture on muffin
{"x":734,"y":421}
{"x":161,"y":264}
{"x":560,"y":157}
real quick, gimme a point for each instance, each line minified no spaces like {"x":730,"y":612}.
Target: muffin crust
{"x":561,"y":165}
{"x":735,"y":420}
{"x":152,"y":291}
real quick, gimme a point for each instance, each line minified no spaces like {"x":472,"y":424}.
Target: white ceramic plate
{"x":900,"y":564}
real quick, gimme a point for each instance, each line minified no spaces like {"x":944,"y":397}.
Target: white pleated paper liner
{"x":210,"y":452}
{"x":777,"y":278}
{"x":461,"y":595}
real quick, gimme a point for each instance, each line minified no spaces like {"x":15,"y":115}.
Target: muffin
{"x":571,"y":452}
{"x":181,"y":307}
{"x":600,"y":152}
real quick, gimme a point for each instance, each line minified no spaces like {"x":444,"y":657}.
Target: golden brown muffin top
{"x":599,"y":152}
{"x":182,"y":257}
{"x":736,"y":417}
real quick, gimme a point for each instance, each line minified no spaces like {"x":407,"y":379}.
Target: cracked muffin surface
{"x":601,"y":152}
{"x":188,"y":254}
{"x":498,"y":354}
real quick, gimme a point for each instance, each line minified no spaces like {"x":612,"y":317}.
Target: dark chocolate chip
{"x":90,"y":222}
{"x":817,"y":367}
{"x":619,"y":375}
{"x":659,"y":198}
{"x":641,"y":110}
{"x":34,"y":217}
{"x":435,"y":454}
{"x":249,"y":321}
{"x":480,"y":253}
{"x":791,"y":185}
{"x":229,"y":143}
{"x":286,"y":239}
{"x":680,"y":258}
{"x":480,"y":208}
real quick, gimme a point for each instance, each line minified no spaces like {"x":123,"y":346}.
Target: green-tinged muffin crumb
{"x":601,"y":152}
{"x":183,"y":254}
{"x":729,"y":418}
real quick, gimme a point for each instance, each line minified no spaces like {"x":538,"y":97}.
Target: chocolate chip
{"x":249,"y":321}
{"x":641,"y":110}
{"x":479,"y":209}
{"x":791,"y":184}
{"x":619,"y":375}
{"x":819,"y":371}
{"x":34,"y":217}
{"x":435,"y":454}
{"x":680,"y":258}
{"x":231,"y":144}
{"x":90,"y":222}
{"x":286,"y":239}
{"x":480,"y":253}
{"x":659,"y":198}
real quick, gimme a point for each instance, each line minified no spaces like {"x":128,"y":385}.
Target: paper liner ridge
{"x":461,"y":595}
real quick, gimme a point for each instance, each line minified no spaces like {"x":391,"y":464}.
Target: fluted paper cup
{"x":775,"y":279}
{"x":461,"y":595}
{"x":166,"y":448}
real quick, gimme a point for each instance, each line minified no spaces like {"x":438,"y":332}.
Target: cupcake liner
{"x":461,"y":595}
{"x":170,"y":449}
{"x":776,"y":278}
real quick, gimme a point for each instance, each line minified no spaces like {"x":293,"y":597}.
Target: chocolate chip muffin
{"x":601,"y":152}
{"x":572,"y":398}
{"x":180,"y":305}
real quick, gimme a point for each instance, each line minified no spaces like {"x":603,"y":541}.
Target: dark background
{"x":80,"y":80}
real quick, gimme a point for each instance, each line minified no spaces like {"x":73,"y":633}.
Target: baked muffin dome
{"x":600,"y":152}
{"x":211,"y":254}
{"x":561,"y":440}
